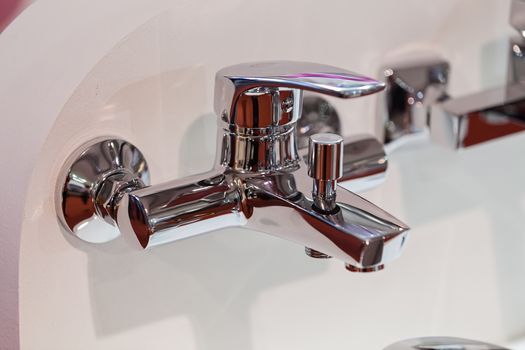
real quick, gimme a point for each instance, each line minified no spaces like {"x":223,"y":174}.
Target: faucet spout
{"x":357,"y":232}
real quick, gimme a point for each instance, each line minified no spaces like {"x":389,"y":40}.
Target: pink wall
{"x":9,"y":9}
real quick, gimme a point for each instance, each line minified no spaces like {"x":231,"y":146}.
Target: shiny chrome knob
{"x":325,"y":166}
{"x":325,"y":156}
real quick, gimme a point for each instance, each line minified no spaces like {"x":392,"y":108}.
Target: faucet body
{"x":279,"y":203}
{"x":259,"y":180}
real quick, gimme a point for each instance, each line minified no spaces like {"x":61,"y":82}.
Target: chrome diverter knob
{"x":325,"y":166}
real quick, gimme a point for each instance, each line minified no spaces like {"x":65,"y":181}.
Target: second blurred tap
{"x":416,"y":99}
{"x":412,"y":87}
{"x":364,"y":158}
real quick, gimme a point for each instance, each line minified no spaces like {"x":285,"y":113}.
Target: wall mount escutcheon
{"x":91,"y":184}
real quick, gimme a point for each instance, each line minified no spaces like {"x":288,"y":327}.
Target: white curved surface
{"x":65,"y":79}
{"x":46,"y":52}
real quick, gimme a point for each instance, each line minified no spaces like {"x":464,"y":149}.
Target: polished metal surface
{"x":260,"y":103}
{"x":464,"y":121}
{"x":470,"y":120}
{"x":269,"y":79}
{"x":411,"y":88}
{"x":317,"y":116}
{"x":325,"y":167}
{"x":364,"y":162}
{"x":325,"y":156}
{"x":280,"y":204}
{"x":260,"y":181}
{"x":312,"y":253}
{"x":516,"y":68}
{"x":91,"y":183}
{"x":364,"y":158}
{"x":442,"y":343}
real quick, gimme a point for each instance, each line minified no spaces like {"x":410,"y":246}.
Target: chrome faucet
{"x":456,"y":122}
{"x":259,"y":181}
{"x":490,"y":114}
{"x":412,"y":87}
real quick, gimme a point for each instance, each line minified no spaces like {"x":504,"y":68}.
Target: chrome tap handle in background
{"x":364,"y":158}
{"x":417,"y":91}
{"x":411,"y":88}
{"x":516,"y":67}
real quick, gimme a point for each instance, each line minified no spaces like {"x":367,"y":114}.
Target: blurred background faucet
{"x":412,"y":87}
{"x":364,"y":158}
{"x":416,"y":99}
{"x":517,"y":43}
{"x":260,"y":179}
{"x":492,"y":113}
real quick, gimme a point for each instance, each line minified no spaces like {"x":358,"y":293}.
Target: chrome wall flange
{"x":91,"y":184}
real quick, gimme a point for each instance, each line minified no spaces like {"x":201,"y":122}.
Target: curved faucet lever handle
{"x":281,"y":84}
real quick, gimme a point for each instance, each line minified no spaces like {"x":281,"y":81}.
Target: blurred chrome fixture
{"x":260,"y":180}
{"x":517,"y":44}
{"x":442,"y":343}
{"x":480,"y":117}
{"x":490,"y":114}
{"x":411,"y":88}
{"x":364,"y":158}
{"x":317,"y":116}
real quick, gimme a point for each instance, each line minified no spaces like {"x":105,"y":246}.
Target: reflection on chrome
{"x":487,"y":115}
{"x":364,"y":158}
{"x":412,"y":87}
{"x":260,"y":181}
{"x":470,"y":120}
{"x":455,"y":122}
